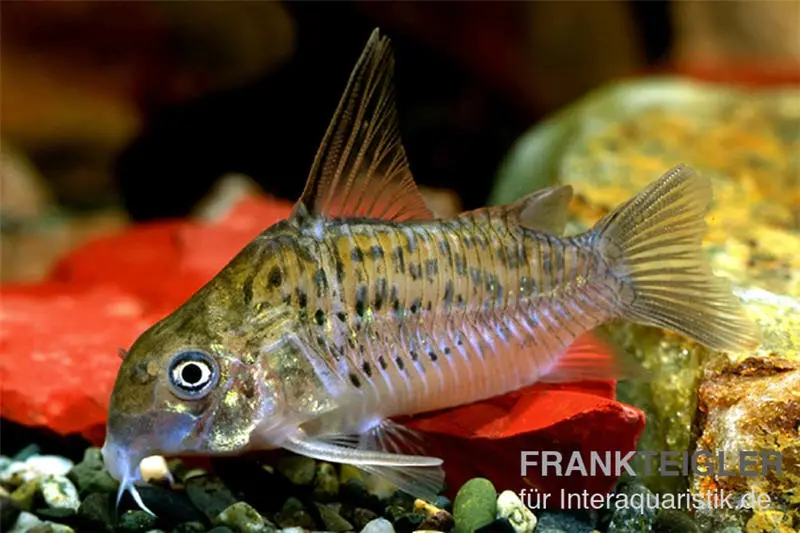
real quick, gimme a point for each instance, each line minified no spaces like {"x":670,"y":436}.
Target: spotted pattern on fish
{"x":415,"y":310}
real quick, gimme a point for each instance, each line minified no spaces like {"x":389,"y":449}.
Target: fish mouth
{"x":124,"y":467}
{"x":129,"y":439}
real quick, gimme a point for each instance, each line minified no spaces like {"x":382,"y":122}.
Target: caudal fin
{"x":652,"y":244}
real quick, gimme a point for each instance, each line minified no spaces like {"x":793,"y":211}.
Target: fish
{"x":362,"y":306}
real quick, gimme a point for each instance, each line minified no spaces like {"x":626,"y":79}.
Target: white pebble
{"x":511,"y":507}
{"x":293,"y":530}
{"x":25,"y":522}
{"x":50,"y":464}
{"x":59,"y":492}
{"x":16,"y":473}
{"x":379,"y":525}
{"x":154,"y":468}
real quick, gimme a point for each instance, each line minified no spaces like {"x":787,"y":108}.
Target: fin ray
{"x":360,"y":170}
{"x":653,"y":244}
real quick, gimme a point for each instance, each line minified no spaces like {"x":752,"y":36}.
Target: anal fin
{"x":593,"y":356}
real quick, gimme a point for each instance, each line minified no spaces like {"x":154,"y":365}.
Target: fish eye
{"x":192,"y":374}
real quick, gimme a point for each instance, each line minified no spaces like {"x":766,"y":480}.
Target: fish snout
{"x":131,"y":438}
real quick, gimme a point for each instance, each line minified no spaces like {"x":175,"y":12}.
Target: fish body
{"x":363,"y":306}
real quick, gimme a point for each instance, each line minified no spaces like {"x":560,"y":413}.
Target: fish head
{"x":196,"y":383}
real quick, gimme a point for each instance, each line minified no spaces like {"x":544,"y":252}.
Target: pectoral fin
{"x":419,"y":475}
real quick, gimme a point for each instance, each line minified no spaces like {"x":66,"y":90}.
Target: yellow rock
{"x":768,"y":522}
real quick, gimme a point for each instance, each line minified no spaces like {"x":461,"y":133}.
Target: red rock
{"x":565,"y":422}
{"x":58,"y":347}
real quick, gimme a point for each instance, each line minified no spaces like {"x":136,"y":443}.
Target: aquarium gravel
{"x":52,"y":494}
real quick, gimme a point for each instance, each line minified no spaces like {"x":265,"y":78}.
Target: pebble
{"x":194,"y":472}
{"x":244,"y":519}
{"x":291,"y":530}
{"x":136,"y":521}
{"x":24,"y":495}
{"x":673,"y":521}
{"x":379,"y":525}
{"x":57,"y":514}
{"x":50,"y":527}
{"x":209,"y":494}
{"x":154,"y":469}
{"x":90,"y":475}
{"x":502,"y":525}
{"x":28,"y":451}
{"x":171,"y":507}
{"x":190,"y":527}
{"x":436,"y":519}
{"x":17,"y":473}
{"x":95,"y":510}
{"x":294,"y":514}
{"x":630,"y":519}
{"x":298,"y":469}
{"x":354,"y":492}
{"x":223,"y":529}
{"x":362,"y":517}
{"x":177,"y":469}
{"x":4,"y":462}
{"x":9,"y":512}
{"x":326,"y":483}
{"x":331,"y":519}
{"x":511,"y":507}
{"x":25,"y":521}
{"x":58,"y":491}
{"x":562,"y":522}
{"x":475,"y":505}
{"x":50,"y":464}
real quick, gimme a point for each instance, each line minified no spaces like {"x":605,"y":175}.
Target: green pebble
{"x":293,"y":514}
{"x":177,"y":469}
{"x":58,"y":491}
{"x":136,"y":521}
{"x":331,"y":518}
{"x":90,"y":475}
{"x":475,"y":505}
{"x":297,"y":469}
{"x":24,"y":495}
{"x":326,"y":483}
{"x":244,"y":519}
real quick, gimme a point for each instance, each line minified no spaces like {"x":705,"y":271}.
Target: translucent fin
{"x":341,"y":449}
{"x":122,"y":353}
{"x":421,"y":482}
{"x":360,"y":170}
{"x":652,"y":244}
{"x":594,"y":357}
{"x":379,"y":452}
{"x":545,"y":210}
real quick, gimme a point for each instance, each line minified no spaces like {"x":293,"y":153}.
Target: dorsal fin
{"x":360,"y":170}
{"x":545,"y":210}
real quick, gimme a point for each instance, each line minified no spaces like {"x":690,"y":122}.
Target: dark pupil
{"x":191,"y":373}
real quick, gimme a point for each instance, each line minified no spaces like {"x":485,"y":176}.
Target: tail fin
{"x":652,"y":244}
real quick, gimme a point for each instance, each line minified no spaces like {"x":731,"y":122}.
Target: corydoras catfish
{"x":363,"y":306}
